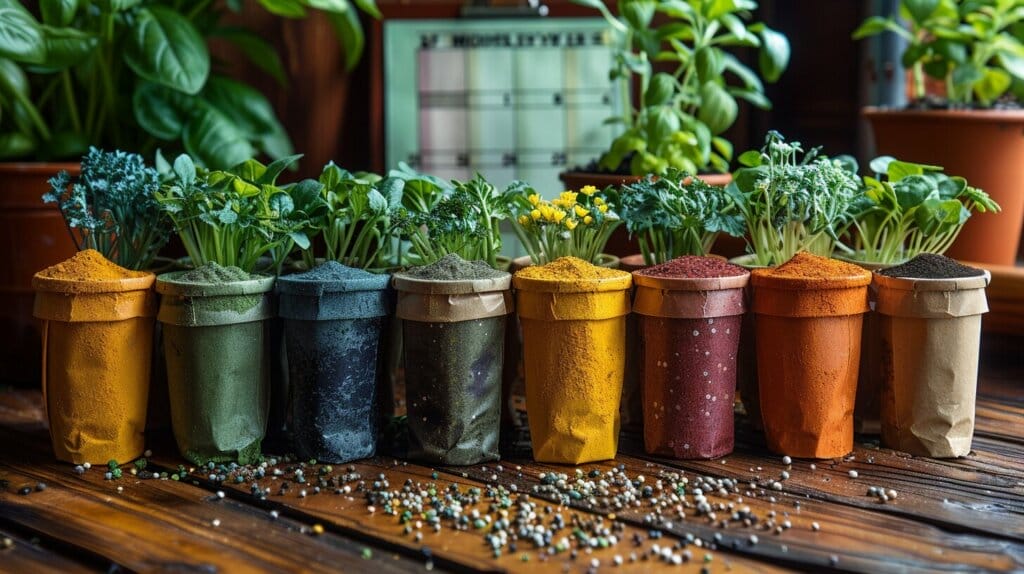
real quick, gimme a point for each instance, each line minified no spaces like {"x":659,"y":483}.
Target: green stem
{"x":69,"y":94}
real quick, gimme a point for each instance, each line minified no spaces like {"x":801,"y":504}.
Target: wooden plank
{"x":24,"y":556}
{"x":862,"y":540}
{"x":449,"y":548}
{"x":162,"y":524}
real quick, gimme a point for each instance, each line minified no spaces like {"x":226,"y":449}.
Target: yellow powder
{"x":568,"y":269}
{"x":89,"y":265}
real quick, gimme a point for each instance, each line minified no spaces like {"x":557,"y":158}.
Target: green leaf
{"x":300,"y":238}
{"x":15,"y":144}
{"x":709,"y":64}
{"x":913,"y":190}
{"x":993,"y":84}
{"x":722,"y":146}
{"x":165,"y":48}
{"x":774,"y":54}
{"x":920,"y":10}
{"x":717,"y":8}
{"x":756,"y":98}
{"x":66,"y":144}
{"x":117,"y":5}
{"x":21,"y":37}
{"x":876,"y":25}
{"x":58,"y":12}
{"x":185,"y":169}
{"x":662,"y":124}
{"x":276,"y":143}
{"x":881,"y":164}
{"x":286,"y":8}
{"x":161,"y":111}
{"x":370,"y":7}
{"x":214,"y":140}
{"x":745,"y":74}
{"x":260,"y":52}
{"x":660,"y":89}
{"x":350,"y":35}
{"x":276,"y":167}
{"x":638,"y":13}
{"x":12,"y":80}
{"x":244,"y":105}
{"x":965,"y":75}
{"x":750,"y":158}
{"x":717,"y":109}
{"x":1014,"y":63}
{"x":67,"y":46}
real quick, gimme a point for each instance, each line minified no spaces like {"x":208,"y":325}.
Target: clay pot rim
{"x":942,"y":284}
{"x":39,"y":167}
{"x":692,"y":283}
{"x":258,"y":284}
{"x":409,"y":284}
{"x":142,"y":282}
{"x":999,"y":116}
{"x":620,"y":282}
{"x":296,"y":285}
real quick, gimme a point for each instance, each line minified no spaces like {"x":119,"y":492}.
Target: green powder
{"x":451,"y":267}
{"x":212,"y":274}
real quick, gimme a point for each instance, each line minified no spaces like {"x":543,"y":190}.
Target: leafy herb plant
{"x":677,"y":214}
{"x":465,"y":221}
{"x":908,"y":209}
{"x":975,"y":46}
{"x":576,"y":223}
{"x":681,"y":113}
{"x":68,"y":79}
{"x":233,"y":217}
{"x":111,"y":207}
{"x":791,"y":200}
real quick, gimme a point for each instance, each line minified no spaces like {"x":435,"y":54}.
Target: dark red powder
{"x":694,"y":267}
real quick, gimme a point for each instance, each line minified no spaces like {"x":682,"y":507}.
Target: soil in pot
{"x":691,"y":311}
{"x":808,"y":332}
{"x":454,"y":315}
{"x":334,"y":318}
{"x":573,"y":316}
{"x":97,"y":340}
{"x":218,"y":364}
{"x":929,"y":313}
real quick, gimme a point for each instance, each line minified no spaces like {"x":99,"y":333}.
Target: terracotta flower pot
{"x":691,"y":334}
{"x":97,"y":341}
{"x":930,"y":333}
{"x":984,"y":146}
{"x":218,"y":365}
{"x":454,"y":335}
{"x":808,"y":334}
{"x":574,"y":336}
{"x":32,"y":237}
{"x":333,"y":329}
{"x":867,"y":410}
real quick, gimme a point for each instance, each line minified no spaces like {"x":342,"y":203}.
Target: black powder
{"x":931,"y":266}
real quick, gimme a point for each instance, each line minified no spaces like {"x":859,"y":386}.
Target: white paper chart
{"x":512,"y":99}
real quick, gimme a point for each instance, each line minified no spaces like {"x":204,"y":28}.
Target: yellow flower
{"x":568,"y":198}
{"x":570,"y":224}
{"x":534,"y":199}
{"x":588,"y":220}
{"x":558,"y":216}
{"x":598,"y":201}
{"x":535,"y":214}
{"x":580,"y":211}
{"x":602,"y":208}
{"x":557,"y":202}
{"x":546,"y":211}
{"x":524,"y":220}
{"x":588,"y":190}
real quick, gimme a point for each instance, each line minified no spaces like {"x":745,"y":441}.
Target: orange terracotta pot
{"x":808,"y":334}
{"x":984,"y":146}
{"x":32,"y":237}
{"x":746,"y":357}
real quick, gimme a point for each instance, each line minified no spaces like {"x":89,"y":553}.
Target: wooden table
{"x":965,"y":514}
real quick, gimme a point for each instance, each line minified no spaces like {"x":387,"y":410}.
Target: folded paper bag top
{"x":214,"y":295}
{"x":570,"y":289}
{"x":811,"y":286}
{"x":332,"y":291}
{"x":88,"y":287}
{"x":440,"y":300}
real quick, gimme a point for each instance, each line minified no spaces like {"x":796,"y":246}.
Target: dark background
{"x":334,"y":115}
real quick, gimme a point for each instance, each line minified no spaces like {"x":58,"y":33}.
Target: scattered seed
{"x":853,"y":474}
{"x":787,"y":460}
{"x":892,"y":493}
{"x":274,"y":514}
{"x":220,"y":494}
{"x":215,"y":522}
{"x":40,"y":486}
{"x":318,"y":529}
{"x":6,"y":542}
{"x":815,"y":526}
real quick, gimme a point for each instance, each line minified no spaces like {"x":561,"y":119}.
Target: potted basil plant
{"x":680,"y":115}
{"x":974,"y":49}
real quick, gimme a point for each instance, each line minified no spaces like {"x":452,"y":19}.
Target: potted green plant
{"x":129,"y":75}
{"x":214,"y":316}
{"x":905,"y":210}
{"x":576,"y":224}
{"x":112,"y":208}
{"x":791,"y":201}
{"x":975,"y":49}
{"x":908,"y":209}
{"x":676,"y":214}
{"x":679,"y":115}
{"x":465,"y":221}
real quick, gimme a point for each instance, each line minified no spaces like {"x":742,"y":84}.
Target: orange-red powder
{"x":805,"y":265}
